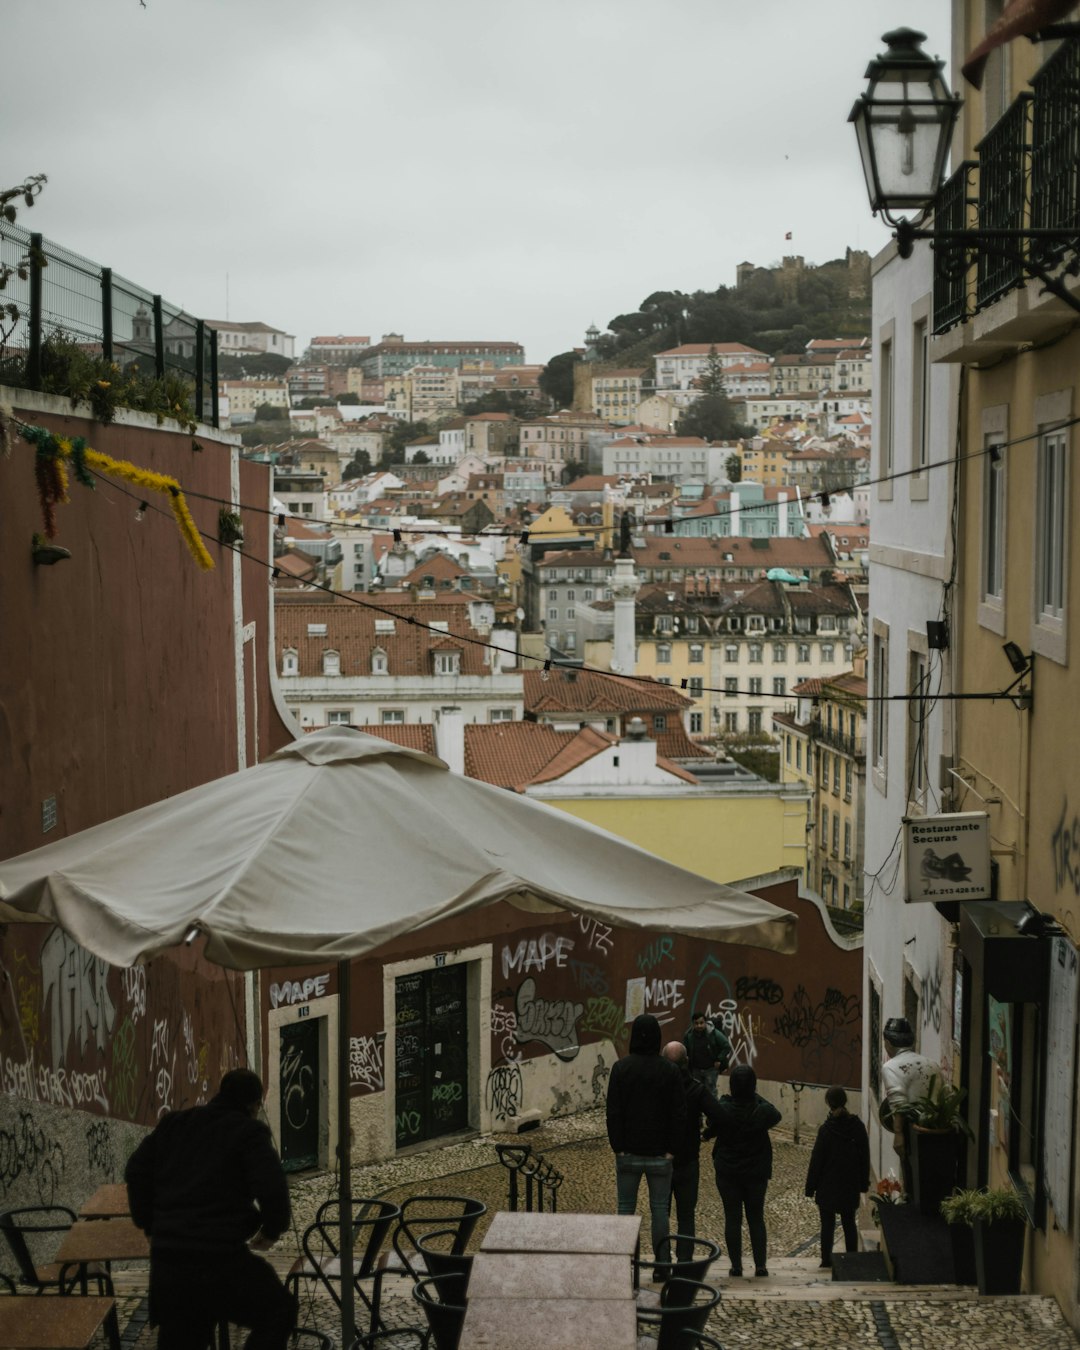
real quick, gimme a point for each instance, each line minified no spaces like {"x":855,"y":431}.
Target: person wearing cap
{"x":206,"y":1185}
{"x":646,"y":1112}
{"x":742,"y":1159}
{"x":905,"y":1076}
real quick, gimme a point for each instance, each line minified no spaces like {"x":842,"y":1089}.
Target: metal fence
{"x":106,"y":315}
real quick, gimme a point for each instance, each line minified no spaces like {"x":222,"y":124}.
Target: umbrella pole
{"x":345,"y":1243}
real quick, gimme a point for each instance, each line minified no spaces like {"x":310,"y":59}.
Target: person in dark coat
{"x":646,"y":1112}
{"x":685,"y":1174}
{"x":203,"y":1185}
{"x":742,"y":1159}
{"x":708,"y":1050}
{"x":839,"y":1172}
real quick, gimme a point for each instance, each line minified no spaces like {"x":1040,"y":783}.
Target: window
{"x":731,"y":652}
{"x":447,"y":663}
{"x":588,"y":595}
{"x":571,"y":612}
{"x":392,"y":717}
{"x":824,"y":768}
{"x":553,"y":594}
{"x":920,"y":393}
{"x":571,"y":595}
{"x":918,"y":716}
{"x":1050,"y":522}
{"x":836,"y":834}
{"x":659,"y":722}
{"x":992,"y":544}
{"x":754,"y":722}
{"x":696,"y":686}
{"x":501,"y":715}
{"x":879,"y":685}
{"x":731,"y":686}
{"x":824,"y":827}
{"x":885,"y":412}
{"x":779,"y":685}
{"x":847,"y":840}
{"x":828,"y":650}
{"x":847,"y":780}
{"x":331,"y":663}
{"x":836,"y":774}
{"x":755,"y":684}
{"x":731,"y":721}
{"x":553,"y":614}
{"x":289,"y":662}
{"x":695,"y":722}
{"x":779,"y":653}
{"x":665,"y":623}
{"x":663,"y":653}
{"x":755,"y":650}
{"x":787,"y":749}
{"x":697,"y":654}
{"x":798,"y":755}
{"x":339,"y":717}
{"x":802,"y":652}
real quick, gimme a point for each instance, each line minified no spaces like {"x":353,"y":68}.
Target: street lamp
{"x":904,"y":123}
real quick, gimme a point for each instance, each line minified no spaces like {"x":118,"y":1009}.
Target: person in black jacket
{"x":203,"y":1185}
{"x":646,"y":1111}
{"x":685,"y":1173}
{"x":839,"y":1172}
{"x":742,"y":1158}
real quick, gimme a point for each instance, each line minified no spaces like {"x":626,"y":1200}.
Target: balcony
{"x":846,"y":744}
{"x":1027,"y":176}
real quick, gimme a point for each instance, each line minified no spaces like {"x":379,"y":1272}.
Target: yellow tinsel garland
{"x":141,"y":478}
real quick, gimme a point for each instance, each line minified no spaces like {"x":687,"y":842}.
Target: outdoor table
{"x":549,"y":1323}
{"x":598,"y":1234}
{"x":28,"y":1322}
{"x":101,"y":1240}
{"x":108,"y":1202}
{"x":545,"y":1275}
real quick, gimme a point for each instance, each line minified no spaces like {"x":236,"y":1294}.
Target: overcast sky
{"x":448,"y":169}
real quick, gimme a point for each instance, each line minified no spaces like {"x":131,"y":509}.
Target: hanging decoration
{"x":52,"y":455}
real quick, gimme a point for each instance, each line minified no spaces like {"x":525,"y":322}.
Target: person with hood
{"x":202,"y":1185}
{"x":646,"y":1113}
{"x":742,"y":1159}
{"x":685,"y":1173}
{"x":708,"y":1049}
{"x":839,"y":1172}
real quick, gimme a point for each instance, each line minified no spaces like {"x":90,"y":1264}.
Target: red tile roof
{"x":570,"y":689}
{"x":518,"y":754}
{"x":412,"y":735}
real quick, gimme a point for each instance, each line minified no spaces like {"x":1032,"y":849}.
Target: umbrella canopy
{"x":340,"y":842}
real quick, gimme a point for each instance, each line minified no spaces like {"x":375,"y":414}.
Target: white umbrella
{"x":337,"y":844}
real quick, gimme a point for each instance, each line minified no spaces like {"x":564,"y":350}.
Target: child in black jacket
{"x":839,"y":1172}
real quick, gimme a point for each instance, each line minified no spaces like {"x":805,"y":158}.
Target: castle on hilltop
{"x":853,"y":270}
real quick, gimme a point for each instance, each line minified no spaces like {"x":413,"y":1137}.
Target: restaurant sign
{"x":947,"y":857}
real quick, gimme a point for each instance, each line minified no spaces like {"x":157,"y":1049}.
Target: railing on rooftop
{"x":106,"y":316}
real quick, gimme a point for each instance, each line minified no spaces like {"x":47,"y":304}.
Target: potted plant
{"x":937,"y":1124}
{"x":958,"y":1211}
{"x":999,"y":1224}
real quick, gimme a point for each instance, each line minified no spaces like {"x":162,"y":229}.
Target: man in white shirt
{"x":906,"y":1076}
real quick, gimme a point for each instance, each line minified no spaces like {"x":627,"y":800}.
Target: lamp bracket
{"x":961,"y":248}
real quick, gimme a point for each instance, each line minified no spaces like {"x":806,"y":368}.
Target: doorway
{"x":431,"y":1054}
{"x":299,"y":1097}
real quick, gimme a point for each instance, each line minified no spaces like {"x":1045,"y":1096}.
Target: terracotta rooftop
{"x":704,"y":348}
{"x":412,"y":735}
{"x":570,"y":689}
{"x":518,"y":754}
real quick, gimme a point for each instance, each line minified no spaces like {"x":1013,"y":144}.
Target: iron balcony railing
{"x":1028,"y":179}
{"x":1055,"y":152}
{"x":953,"y":292}
{"x":855,"y":746}
{"x":1004,"y":155}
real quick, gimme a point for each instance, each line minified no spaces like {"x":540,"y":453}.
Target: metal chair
{"x":693,"y":1268}
{"x":21,"y":1226}
{"x":437,"y":1251}
{"x":303,"y":1337}
{"x":684,"y":1306}
{"x":428,"y":1214}
{"x":444,"y":1319}
{"x":321,"y":1262}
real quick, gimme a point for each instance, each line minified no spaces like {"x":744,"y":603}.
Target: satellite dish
{"x":520,"y":613}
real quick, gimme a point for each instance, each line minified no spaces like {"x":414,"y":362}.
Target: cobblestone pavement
{"x":796,"y":1308}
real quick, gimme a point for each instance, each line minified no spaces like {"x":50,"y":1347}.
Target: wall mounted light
{"x":904,"y":124}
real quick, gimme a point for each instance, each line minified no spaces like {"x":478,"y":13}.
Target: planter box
{"x":934,"y":1158}
{"x":962,"y":1238}
{"x":999,"y":1255}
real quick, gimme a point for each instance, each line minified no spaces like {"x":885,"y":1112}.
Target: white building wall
{"x":909,"y":566}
